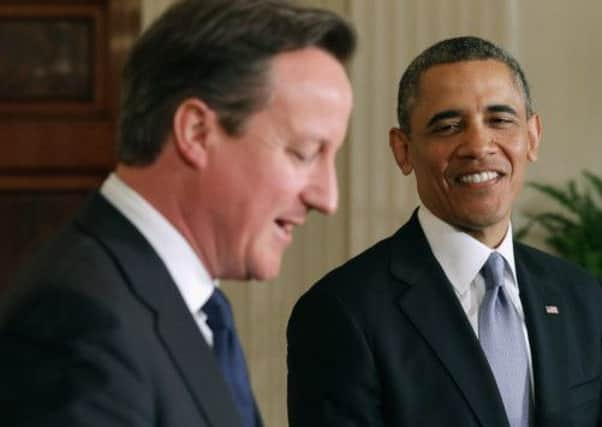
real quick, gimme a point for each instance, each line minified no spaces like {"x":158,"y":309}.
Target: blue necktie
{"x":502,"y":339}
{"x":228,"y":351}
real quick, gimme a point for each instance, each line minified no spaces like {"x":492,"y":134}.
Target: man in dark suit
{"x":232,"y":114}
{"x":449,"y":322}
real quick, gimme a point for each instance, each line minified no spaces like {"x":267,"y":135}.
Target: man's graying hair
{"x":449,"y":51}
{"x":218,"y":51}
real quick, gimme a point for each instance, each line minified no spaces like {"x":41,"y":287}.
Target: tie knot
{"x":217,"y":309}
{"x":493,"y":271}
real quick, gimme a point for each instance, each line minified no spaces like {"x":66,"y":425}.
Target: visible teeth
{"x":476,"y":178}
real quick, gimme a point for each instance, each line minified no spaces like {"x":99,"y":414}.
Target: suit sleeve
{"x":63,"y":363}
{"x":332,"y":376}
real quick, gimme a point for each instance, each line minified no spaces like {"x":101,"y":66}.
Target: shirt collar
{"x":186,"y":270}
{"x":450,"y":247}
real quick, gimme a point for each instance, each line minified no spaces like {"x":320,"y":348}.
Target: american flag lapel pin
{"x":552,"y":309}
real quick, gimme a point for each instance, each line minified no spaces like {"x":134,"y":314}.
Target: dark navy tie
{"x":230,"y":356}
{"x":502,"y":339}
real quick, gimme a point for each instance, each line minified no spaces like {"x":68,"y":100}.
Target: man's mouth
{"x":478,"y":177}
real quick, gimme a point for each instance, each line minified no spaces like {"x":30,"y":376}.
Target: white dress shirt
{"x":185,"y":268}
{"x":461,"y":257}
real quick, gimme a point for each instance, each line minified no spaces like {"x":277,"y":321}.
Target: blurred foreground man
{"x":232,"y":114}
{"x":449,"y":322}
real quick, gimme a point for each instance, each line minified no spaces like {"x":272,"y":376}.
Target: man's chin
{"x":264,"y":271}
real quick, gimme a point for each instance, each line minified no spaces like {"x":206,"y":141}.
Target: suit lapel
{"x":151,"y":283}
{"x":431,"y":305}
{"x":544,"y":308}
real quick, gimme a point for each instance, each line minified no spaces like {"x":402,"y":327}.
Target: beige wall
{"x":151,"y":9}
{"x":560,"y":49}
{"x":558,"y":46}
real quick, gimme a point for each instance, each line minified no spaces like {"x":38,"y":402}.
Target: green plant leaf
{"x":595,"y":181}
{"x":578,"y":235}
{"x":560,"y":195}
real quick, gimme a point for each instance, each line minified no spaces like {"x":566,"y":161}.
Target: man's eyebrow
{"x":447,"y":114}
{"x":501,"y":108}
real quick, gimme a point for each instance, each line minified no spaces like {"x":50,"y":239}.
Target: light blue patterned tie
{"x":502,"y":339}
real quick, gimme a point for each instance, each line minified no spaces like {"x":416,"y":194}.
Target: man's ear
{"x":194,"y":124}
{"x":535,"y":133}
{"x":399,"y":143}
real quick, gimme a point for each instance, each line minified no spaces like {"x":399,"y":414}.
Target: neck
{"x":167,"y":192}
{"x":490,"y":236}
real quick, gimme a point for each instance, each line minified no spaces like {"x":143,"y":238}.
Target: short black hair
{"x":218,"y":51}
{"x":467,"y":48}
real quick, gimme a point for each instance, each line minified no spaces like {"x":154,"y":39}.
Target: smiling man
{"x":449,"y":322}
{"x":232,"y":114}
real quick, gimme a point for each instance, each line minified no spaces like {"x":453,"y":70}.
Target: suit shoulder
{"x":69,"y":257}
{"x":73,"y":293}
{"x":545,"y":260}
{"x":545,"y":264}
{"x":72,"y":263}
{"x":372,"y":261}
{"x":358,"y":284}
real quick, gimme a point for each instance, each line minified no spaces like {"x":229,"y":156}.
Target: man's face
{"x":266,"y":181}
{"x":469,"y":144}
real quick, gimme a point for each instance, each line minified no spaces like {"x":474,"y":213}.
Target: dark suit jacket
{"x":95,"y":333}
{"x":383,"y":341}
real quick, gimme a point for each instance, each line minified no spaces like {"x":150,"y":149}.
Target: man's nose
{"x":477,"y":142}
{"x":322,"y":192}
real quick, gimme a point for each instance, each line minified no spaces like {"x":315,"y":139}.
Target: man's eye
{"x":501,"y":121}
{"x":302,"y":156}
{"x":446,"y":128}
